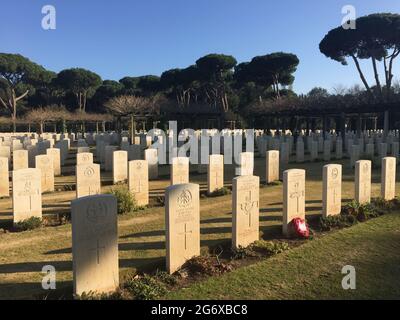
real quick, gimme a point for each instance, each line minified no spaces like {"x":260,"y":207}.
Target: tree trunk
{"x":378,"y":82}
{"x":363,"y":77}
{"x":386,"y":124}
{"x":132,"y":128}
{"x":14,"y":112}
{"x":64,"y":126}
{"x":313,"y":125}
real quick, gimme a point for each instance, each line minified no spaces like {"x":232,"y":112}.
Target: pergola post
{"x":313,"y":124}
{"x":343,"y":126}
{"x":386,"y":123}
{"x":324,"y":125}
{"x":359,"y":125}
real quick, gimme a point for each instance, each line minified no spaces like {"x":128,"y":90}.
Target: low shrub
{"x":383,"y":205}
{"x":145,"y":288}
{"x":274,"y":183}
{"x":366,"y":212}
{"x":161,"y":200}
{"x":270,"y":247}
{"x":243,"y":253}
{"x":351,"y":208}
{"x":28,"y":224}
{"x":117,"y":295}
{"x":126,"y":201}
{"x":166,"y":278}
{"x":355,"y":212}
{"x":220,"y":192}
{"x":206,"y":265}
{"x":337,"y":221}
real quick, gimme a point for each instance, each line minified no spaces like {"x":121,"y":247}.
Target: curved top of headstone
{"x":250,"y":179}
{"x":216,"y":156}
{"x":95,"y":209}
{"x":332,"y":165}
{"x":294,"y":171}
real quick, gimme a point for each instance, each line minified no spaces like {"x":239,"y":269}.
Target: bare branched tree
{"x":42,"y":115}
{"x":133,"y":107}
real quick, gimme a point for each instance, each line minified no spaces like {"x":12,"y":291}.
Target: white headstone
{"x":88,"y":180}
{"x":138,"y":181}
{"x":363,"y":181}
{"x":95,"y":244}
{"x":182,"y":224}
{"x":27,"y":194}
{"x":215,"y":174}
{"x":4,"y":178}
{"x":120,"y":166}
{"x":245,"y":210}
{"x":388,"y":179}
{"x":180,"y":170}
{"x":332,"y":190}
{"x":45,"y":164}
{"x":293,"y":198}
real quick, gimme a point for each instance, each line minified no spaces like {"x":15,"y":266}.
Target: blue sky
{"x":130,"y":37}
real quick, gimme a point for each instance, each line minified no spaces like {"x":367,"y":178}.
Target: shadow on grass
{"x":34,"y":291}
{"x":153,"y":233}
{"x":67,"y":265}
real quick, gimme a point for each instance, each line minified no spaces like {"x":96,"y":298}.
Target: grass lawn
{"x":313,"y":271}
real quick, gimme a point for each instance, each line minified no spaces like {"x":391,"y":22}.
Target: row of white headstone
{"x":95,"y":232}
{"x":48,"y":164}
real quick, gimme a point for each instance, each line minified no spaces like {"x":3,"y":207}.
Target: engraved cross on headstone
{"x":45,"y":178}
{"x":244,"y":165}
{"x":390,"y":176}
{"x":390,"y":183}
{"x":28,"y":192}
{"x":97,"y":249}
{"x":248,"y":206}
{"x":334,"y":195}
{"x":139,"y":185}
{"x":217,"y":176}
{"x":297,"y":194}
{"x":185,"y":233}
{"x":365,"y":188}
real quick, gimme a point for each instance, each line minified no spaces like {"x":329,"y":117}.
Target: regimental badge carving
{"x":185,"y":199}
{"x":139,"y":165}
{"x":89,"y":171}
{"x":96,"y":212}
{"x":85,"y":158}
{"x":365,"y":168}
{"x":45,"y":161}
{"x":335,"y":173}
